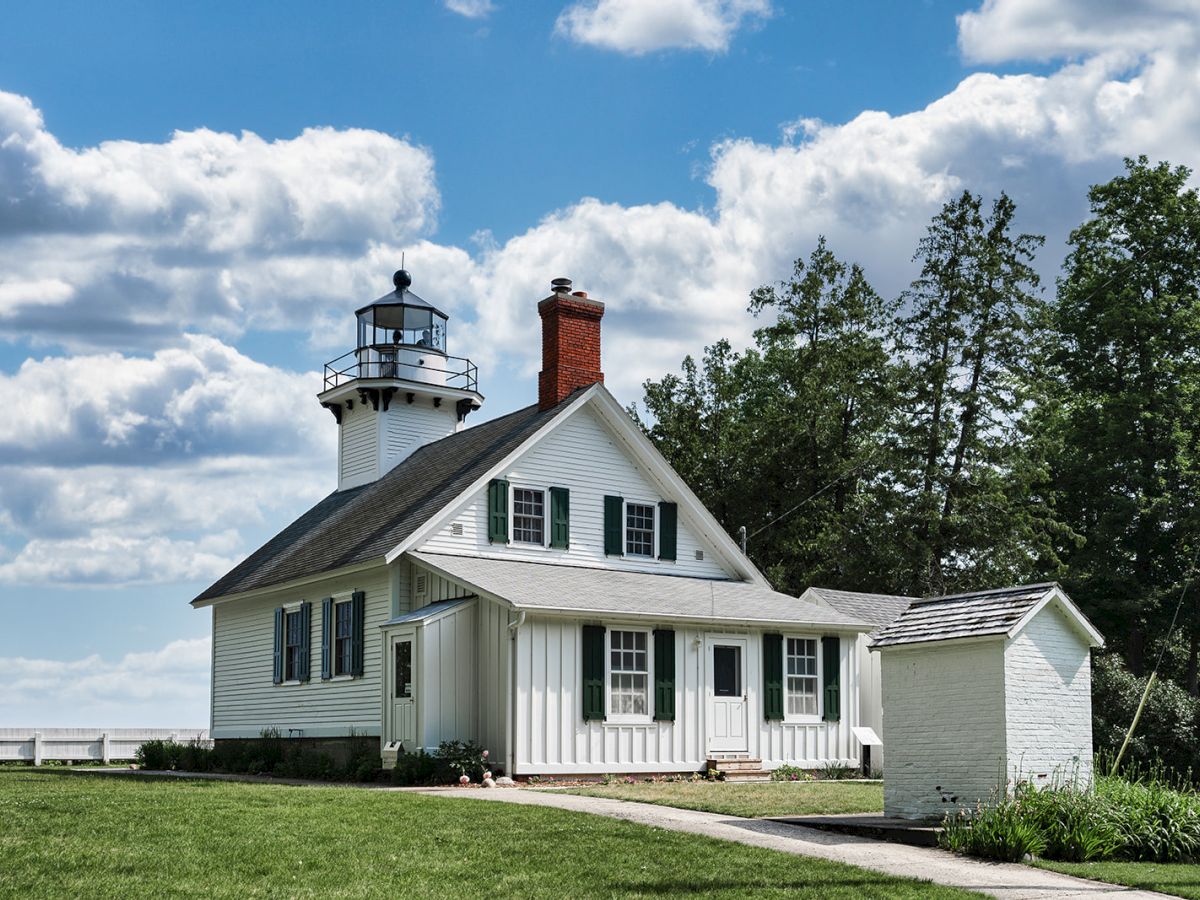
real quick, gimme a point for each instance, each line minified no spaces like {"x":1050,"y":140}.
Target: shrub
{"x":461,"y":758}
{"x":835,"y":771}
{"x":415,"y":769}
{"x":790,"y":773}
{"x":999,"y":831}
{"x":156,"y":754}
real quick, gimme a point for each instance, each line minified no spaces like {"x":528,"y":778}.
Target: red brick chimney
{"x":570,"y":343}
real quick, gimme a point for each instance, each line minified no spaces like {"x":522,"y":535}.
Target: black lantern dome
{"x":401,"y":319}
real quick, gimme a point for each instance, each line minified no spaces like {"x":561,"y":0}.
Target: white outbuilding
{"x":980,"y":691}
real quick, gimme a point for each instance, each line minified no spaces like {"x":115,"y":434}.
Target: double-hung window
{"x":639,"y":529}
{"x":293,"y":645}
{"x":629,"y":671}
{"x":801,"y":663}
{"x":529,"y":516}
{"x":343,"y":638}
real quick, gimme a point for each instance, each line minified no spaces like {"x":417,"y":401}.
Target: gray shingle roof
{"x":875,"y":609}
{"x":979,"y":614}
{"x":586,"y":590}
{"x":363,"y":523}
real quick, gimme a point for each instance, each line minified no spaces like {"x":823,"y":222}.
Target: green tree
{"x":1124,"y":354}
{"x":961,"y":463}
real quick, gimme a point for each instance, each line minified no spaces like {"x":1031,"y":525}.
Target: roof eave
{"x":291,"y":584}
{"x":1076,"y":616}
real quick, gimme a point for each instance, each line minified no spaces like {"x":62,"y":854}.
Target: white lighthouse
{"x":398,"y":389}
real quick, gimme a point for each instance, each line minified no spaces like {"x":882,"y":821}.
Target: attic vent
{"x":456,"y":529}
{"x":699,"y":554}
{"x":421,"y":586}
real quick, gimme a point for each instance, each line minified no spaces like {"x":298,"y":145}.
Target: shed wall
{"x":584,"y":457}
{"x":943,"y":726}
{"x":245,"y":701}
{"x":446,"y":704}
{"x":1048,"y":701}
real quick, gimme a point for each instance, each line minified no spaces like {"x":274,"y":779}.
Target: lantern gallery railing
{"x":402,"y":362}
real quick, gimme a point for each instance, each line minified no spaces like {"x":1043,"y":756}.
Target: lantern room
{"x":401,"y":319}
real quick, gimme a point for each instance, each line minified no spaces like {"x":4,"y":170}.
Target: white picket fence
{"x":82,"y":744}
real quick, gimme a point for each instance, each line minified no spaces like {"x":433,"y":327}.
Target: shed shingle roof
{"x":875,"y":609}
{"x":364,"y":523}
{"x":980,"y":614}
{"x":551,"y":587}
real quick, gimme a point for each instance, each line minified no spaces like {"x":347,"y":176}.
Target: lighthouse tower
{"x":397,"y":389}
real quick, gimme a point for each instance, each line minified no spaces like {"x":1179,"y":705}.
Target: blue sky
{"x":195,"y":197}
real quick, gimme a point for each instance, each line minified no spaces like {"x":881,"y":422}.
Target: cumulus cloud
{"x":1003,"y":30}
{"x":636,"y":27}
{"x":168,"y":686}
{"x":471,"y":9}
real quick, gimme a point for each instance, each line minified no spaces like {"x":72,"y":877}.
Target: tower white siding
{"x":409,"y":426}
{"x":358,"y":446}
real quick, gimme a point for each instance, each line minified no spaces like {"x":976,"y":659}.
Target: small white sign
{"x":867,"y":736}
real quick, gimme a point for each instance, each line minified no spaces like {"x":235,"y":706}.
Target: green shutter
{"x":498,"y":511}
{"x":358,"y":612}
{"x":664,"y":675}
{"x":278,"y":645}
{"x":560,"y":518}
{"x":831,"y":654}
{"x":772,"y":667}
{"x":305,"y":641}
{"x":593,"y":672}
{"x":668,"y":514}
{"x":614,"y":511}
{"x":326,"y":638}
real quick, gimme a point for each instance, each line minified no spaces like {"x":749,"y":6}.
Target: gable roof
{"x":363,"y":523}
{"x":875,"y":609}
{"x":585,"y":590}
{"x":995,"y":613}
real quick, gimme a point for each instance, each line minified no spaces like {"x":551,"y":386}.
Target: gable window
{"x":343,"y":638}
{"x":529,"y":516}
{"x":801,"y":667}
{"x":639,"y":529}
{"x":294,"y":647}
{"x":629,"y":669}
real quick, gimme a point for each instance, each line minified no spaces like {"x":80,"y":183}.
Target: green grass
{"x":103,"y":836}
{"x":751,"y":799}
{"x":1180,"y":879}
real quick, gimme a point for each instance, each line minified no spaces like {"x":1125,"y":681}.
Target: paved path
{"x":1009,"y":881}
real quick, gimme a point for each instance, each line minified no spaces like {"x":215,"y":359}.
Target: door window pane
{"x":727,"y":671}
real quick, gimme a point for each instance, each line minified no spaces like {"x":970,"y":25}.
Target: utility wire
{"x":814,"y":495}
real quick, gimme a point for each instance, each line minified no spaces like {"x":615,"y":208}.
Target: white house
{"x":983,"y":690}
{"x":542,"y":583}
{"x":876,"y":610}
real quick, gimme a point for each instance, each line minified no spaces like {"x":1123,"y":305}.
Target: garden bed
{"x":750,"y":799}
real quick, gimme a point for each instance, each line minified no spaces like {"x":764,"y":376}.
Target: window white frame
{"x":512,"y":515}
{"x":653,"y":506}
{"x":788,"y":715}
{"x":612,"y":716}
{"x":292,"y":609}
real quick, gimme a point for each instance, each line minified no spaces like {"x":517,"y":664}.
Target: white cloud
{"x":637,"y":27}
{"x":471,"y":9}
{"x":164,"y":687}
{"x":1003,"y":30}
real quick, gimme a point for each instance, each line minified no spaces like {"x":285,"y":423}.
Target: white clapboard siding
{"x":358,"y":450}
{"x":407,"y":426}
{"x":582,"y":456}
{"x":553,"y":738}
{"x":36,"y":745}
{"x":245,"y":701}
{"x":1048,"y":701}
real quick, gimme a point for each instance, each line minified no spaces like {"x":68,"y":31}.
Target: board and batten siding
{"x":494,"y":678}
{"x":870,"y":697}
{"x":552,"y":737}
{"x":943,"y":726}
{"x":1048,"y":701}
{"x":244,"y":699}
{"x":582,"y":456}
{"x":447,"y":697}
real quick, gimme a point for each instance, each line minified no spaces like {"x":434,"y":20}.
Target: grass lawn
{"x":101,"y":836}
{"x":1180,"y":879}
{"x":752,"y":799}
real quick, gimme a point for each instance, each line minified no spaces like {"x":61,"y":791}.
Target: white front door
{"x":402,"y":691}
{"x":725,"y":686}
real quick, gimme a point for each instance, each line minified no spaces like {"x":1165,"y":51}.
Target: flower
{"x":487,"y":774}
{"x":485,"y":754}
{"x":464,"y":779}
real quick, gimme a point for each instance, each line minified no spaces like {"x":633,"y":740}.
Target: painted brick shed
{"x":982,"y":688}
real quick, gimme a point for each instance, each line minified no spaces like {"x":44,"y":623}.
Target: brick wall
{"x":1049,"y":701}
{"x":570,"y":346}
{"x":943,"y":726}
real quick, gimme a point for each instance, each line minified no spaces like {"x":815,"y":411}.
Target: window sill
{"x":341,"y":678}
{"x":293,"y":683}
{"x":802,"y":720}
{"x":629,"y":720}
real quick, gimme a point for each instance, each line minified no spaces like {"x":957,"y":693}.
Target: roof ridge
{"x":991,"y":592}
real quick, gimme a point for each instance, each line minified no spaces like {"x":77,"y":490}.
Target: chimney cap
{"x":560,"y":285}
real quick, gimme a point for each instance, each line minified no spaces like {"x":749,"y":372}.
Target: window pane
{"x":629,"y":682}
{"x":801,"y":680}
{"x":639,"y":529}
{"x":727,"y":671}
{"x":403,"y":687}
{"x":529,"y":516}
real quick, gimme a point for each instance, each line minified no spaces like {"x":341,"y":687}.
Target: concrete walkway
{"x":1010,"y":881}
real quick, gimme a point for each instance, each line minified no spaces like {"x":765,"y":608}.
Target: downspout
{"x":510,"y":754}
